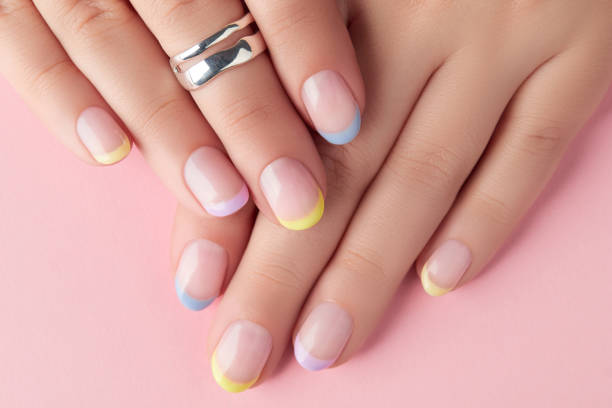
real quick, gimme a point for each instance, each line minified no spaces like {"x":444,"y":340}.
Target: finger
{"x":250,"y":112}
{"x":116,"y":52}
{"x":205,"y":254}
{"x":543,"y":117}
{"x":255,"y":316}
{"x":403,"y":206}
{"x":314,"y":57}
{"x":279,"y":268}
{"x":55,"y":89}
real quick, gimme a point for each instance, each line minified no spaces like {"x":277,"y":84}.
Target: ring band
{"x":198,"y":74}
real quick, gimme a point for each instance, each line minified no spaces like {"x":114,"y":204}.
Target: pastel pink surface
{"x":89,"y":315}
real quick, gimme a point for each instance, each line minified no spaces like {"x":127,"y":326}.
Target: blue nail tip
{"x":191,"y":303}
{"x":348,"y":134}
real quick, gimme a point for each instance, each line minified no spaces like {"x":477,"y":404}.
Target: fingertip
{"x":102,"y":135}
{"x":332,"y":108}
{"x":347,"y":135}
{"x":116,"y":155}
{"x":446,"y":267}
{"x":292,"y":193}
{"x":200,"y":274}
{"x":309,"y":220}
{"x":431,"y":288}
{"x":192,"y":303}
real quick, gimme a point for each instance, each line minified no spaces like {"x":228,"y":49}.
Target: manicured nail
{"x":293,"y":194}
{"x":215,"y":182}
{"x":322,"y":337}
{"x":241,"y":355}
{"x":444,"y":269}
{"x":332,"y":107}
{"x":200,"y":274}
{"x":102,"y":135}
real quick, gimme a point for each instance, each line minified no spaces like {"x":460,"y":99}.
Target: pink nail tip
{"x":214,"y":182}
{"x":307,"y":361}
{"x":229,"y":207}
{"x":323,"y":336}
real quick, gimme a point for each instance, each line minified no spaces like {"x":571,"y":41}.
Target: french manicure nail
{"x":241,"y":355}
{"x":200,"y":274}
{"x":102,"y":135}
{"x":293,"y":194}
{"x":322,"y":337}
{"x":332,"y":107}
{"x":445,"y":267}
{"x":215,"y":182}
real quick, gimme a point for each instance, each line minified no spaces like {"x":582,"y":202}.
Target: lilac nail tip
{"x":191,"y":303}
{"x":307,"y":361}
{"x":229,"y":207}
{"x":347,"y":135}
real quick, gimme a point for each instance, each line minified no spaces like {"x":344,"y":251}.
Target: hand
{"x":470,"y":108}
{"x":94,"y":71}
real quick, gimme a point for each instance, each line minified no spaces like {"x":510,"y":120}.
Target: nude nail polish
{"x":102,"y":136}
{"x":332,"y":107}
{"x":241,"y":355}
{"x":200,"y":274}
{"x":322,"y":336}
{"x":293,"y":194}
{"x":214,"y":181}
{"x":445,"y":267}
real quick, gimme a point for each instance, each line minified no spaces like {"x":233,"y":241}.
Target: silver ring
{"x":194,"y":69}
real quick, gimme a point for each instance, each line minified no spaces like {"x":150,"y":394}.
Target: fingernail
{"x":332,"y":107}
{"x":293,"y":194}
{"x":241,"y":355}
{"x":200,"y":274}
{"x":322,"y":337}
{"x":444,"y":269}
{"x":102,"y":135}
{"x":214,"y":181}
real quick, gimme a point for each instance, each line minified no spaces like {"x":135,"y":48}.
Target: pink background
{"x":89,"y":318}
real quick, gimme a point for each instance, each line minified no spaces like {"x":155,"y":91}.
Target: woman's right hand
{"x":94,"y":72}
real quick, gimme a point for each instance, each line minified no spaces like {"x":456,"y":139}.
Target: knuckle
{"x":363,"y":263}
{"x":279,"y":272}
{"x":526,"y":6}
{"x":242,"y":116}
{"x":349,"y":167}
{"x":493,"y":208}
{"x":93,"y":17}
{"x":48,"y":75}
{"x":167,"y":9}
{"x":10,"y":7}
{"x":537,"y":136}
{"x":18,"y":18}
{"x":171,"y":12}
{"x":286,"y":16}
{"x":436,"y":6}
{"x":162,"y":113}
{"x":431,"y":168}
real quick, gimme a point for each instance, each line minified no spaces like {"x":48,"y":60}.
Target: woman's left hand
{"x":471,"y":106}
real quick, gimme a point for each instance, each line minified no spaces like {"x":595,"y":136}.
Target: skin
{"x":65,"y":56}
{"x":470,"y":108}
{"x":464,"y":128}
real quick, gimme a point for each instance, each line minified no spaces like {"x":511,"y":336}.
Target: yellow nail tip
{"x":226,"y":383}
{"x":308,"y":221}
{"x":116,"y":155}
{"x":431,"y":288}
